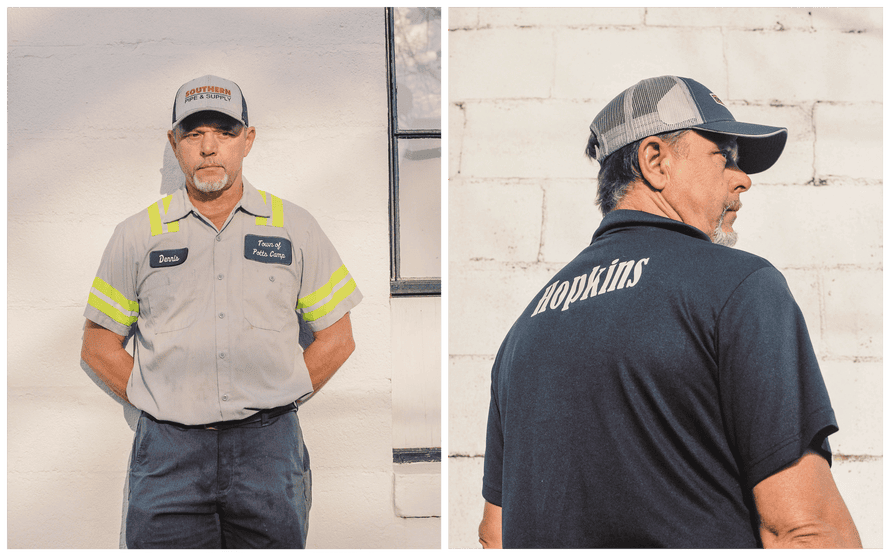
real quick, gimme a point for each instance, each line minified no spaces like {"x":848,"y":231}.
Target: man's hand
{"x":490,"y":528}
{"x":331,"y":348}
{"x":104,"y":352}
{"x":800,"y":506}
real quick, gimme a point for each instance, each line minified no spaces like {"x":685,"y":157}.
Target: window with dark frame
{"x":414,"y":56}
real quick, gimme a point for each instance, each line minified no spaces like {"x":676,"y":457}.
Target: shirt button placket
{"x":221,"y":263}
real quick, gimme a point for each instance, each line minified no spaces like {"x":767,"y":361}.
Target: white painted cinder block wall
{"x":524,"y":85}
{"x":89,"y":102}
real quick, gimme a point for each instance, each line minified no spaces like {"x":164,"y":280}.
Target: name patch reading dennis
{"x":268,"y":249}
{"x":168,"y":257}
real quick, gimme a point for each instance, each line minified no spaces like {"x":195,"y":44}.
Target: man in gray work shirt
{"x":213,"y":282}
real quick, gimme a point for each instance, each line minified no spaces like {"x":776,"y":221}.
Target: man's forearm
{"x":819,"y":535}
{"x":104,"y":352}
{"x":331,"y":348}
{"x":490,"y":528}
{"x":800,"y":506}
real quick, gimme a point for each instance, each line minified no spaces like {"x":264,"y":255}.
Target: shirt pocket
{"x":171,"y":299}
{"x":269,"y":295}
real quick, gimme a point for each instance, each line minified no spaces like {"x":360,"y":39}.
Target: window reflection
{"x":418,"y":58}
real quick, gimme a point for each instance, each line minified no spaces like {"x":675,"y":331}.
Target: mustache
{"x":734,"y":205}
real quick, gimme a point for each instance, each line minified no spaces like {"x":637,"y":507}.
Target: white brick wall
{"x":89,"y":98}
{"x":524,"y":85}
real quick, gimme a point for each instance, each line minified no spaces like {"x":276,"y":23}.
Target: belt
{"x":261,"y":415}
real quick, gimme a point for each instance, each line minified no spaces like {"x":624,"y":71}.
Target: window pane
{"x":418,"y":54}
{"x":420,"y":245}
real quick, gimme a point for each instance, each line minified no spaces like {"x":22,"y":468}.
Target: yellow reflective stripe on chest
{"x":154,"y":217}
{"x":277,"y":212}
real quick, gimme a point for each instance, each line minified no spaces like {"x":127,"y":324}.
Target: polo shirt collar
{"x":623,"y":219}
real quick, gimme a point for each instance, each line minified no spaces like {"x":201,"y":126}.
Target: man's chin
{"x":211,"y":186}
{"x":727,"y":239}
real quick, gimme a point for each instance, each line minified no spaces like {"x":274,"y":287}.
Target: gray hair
{"x":620,"y":169}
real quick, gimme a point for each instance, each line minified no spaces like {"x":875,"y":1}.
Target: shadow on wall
{"x":325,"y":75}
{"x":131,"y":416}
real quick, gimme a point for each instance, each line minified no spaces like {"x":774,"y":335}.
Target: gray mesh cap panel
{"x":663,"y":104}
{"x":670,"y":103}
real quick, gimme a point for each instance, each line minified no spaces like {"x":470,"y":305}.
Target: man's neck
{"x":217,"y":206}
{"x":641,"y":197}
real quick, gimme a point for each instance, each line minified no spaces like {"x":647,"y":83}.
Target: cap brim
{"x":760,"y":146}
{"x":206,"y":109}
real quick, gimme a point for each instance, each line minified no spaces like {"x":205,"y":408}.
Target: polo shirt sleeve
{"x":774,"y":401}
{"x":492,"y":479}
{"x":327,"y":290}
{"x":112,"y":301}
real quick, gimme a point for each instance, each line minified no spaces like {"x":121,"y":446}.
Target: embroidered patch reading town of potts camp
{"x":167,"y":257}
{"x":268,"y":249}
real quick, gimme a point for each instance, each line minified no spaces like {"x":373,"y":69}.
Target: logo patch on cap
{"x":717,"y":100}
{"x":210,"y":93}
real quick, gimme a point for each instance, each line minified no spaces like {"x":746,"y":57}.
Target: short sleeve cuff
{"x":103,"y":320}
{"x":491,"y":495}
{"x":341,"y":301}
{"x":820,"y":426}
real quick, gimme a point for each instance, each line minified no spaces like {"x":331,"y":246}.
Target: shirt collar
{"x":179,"y":207}
{"x":622,"y":219}
{"x":251,"y":201}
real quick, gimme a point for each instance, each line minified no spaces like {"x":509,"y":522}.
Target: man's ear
{"x":251,"y":135}
{"x":172,"y":138}
{"x":655,"y":159}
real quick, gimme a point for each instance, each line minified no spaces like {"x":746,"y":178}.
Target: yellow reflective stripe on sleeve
{"x":104,"y":287}
{"x":342,"y":294}
{"x":323,"y":291}
{"x":107,"y":309}
{"x":277,"y":212}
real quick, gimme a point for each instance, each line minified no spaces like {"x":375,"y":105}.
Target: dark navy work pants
{"x":244,"y":487}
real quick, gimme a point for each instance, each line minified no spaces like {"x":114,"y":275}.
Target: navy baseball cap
{"x":209,"y":93}
{"x":669,"y":103}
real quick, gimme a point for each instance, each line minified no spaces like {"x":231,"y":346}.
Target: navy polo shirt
{"x":645,"y":391}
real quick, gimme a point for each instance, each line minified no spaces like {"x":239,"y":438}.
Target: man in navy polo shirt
{"x":661,"y":389}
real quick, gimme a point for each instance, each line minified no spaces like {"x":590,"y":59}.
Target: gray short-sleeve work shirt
{"x":215,"y":315}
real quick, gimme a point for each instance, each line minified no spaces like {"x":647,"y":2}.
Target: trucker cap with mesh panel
{"x":670,"y":103}
{"x":209,"y":93}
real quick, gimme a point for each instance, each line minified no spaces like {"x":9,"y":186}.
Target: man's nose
{"x":208,"y":144}
{"x":740,"y":180}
